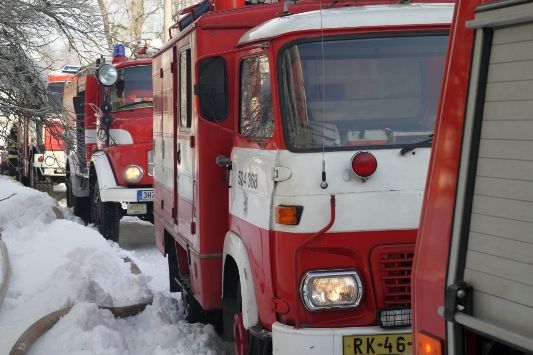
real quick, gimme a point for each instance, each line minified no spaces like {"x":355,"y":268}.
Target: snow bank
{"x":57,"y":263}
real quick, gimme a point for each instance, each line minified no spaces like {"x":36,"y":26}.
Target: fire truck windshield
{"x":55,"y":95}
{"x":133,"y":88}
{"x":372,"y":92}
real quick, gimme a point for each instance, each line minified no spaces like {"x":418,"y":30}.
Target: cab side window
{"x":256,"y":119}
{"x":185,"y":98}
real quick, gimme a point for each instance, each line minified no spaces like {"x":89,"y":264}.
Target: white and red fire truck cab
{"x":110,"y":169}
{"x":291,"y":146}
{"x":41,"y":155}
{"x":473,"y":275}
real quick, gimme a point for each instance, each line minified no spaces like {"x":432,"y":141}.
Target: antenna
{"x":324,"y":183}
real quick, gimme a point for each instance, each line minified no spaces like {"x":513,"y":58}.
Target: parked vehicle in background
{"x":40,"y":148}
{"x":291,"y":145}
{"x":472,"y":290}
{"x":110,"y":167}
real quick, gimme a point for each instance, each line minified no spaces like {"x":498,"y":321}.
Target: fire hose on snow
{"x":41,"y":326}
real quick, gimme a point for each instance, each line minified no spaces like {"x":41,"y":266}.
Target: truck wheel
{"x":173,"y":268}
{"x":80,"y":205}
{"x":31,"y":177}
{"x":106,"y":216}
{"x":232,"y":320}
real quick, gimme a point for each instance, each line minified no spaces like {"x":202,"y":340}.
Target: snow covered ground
{"x":58,"y":262}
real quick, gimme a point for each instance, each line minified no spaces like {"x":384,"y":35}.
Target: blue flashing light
{"x":70,"y":69}
{"x":119,"y":51}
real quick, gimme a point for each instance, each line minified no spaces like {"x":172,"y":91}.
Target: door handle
{"x":223,"y":161}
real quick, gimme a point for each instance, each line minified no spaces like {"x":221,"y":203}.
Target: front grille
{"x":391,"y":271}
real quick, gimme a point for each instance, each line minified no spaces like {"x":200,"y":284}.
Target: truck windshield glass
{"x":55,"y":95}
{"x":365,"y":92}
{"x":133,"y":88}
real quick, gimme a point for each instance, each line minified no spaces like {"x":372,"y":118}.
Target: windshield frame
{"x":284,"y":107}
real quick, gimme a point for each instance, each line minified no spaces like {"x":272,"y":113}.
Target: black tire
{"x":173,"y":268}
{"x":31,"y":177}
{"x":231,"y":305}
{"x":69,"y":194}
{"x":107,"y":215}
{"x":193,"y":311}
{"x":80,"y":205}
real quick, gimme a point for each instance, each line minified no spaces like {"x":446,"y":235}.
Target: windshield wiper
{"x":411,"y":146}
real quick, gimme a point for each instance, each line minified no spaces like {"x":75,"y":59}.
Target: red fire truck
{"x":291,"y":143}
{"x":41,"y":155}
{"x":110,"y":167}
{"x":473,"y":275}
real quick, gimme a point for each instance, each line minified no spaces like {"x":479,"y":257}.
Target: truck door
{"x":490,"y":277}
{"x":185,"y":145}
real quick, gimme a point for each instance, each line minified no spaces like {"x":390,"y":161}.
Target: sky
{"x":56,"y":262}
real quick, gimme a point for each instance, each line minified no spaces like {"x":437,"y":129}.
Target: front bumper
{"x":127,"y":194}
{"x":319,"y":341}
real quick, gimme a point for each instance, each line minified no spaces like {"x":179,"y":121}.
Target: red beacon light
{"x":364,"y":164}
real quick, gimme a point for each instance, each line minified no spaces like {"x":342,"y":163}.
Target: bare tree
{"x":131,"y":22}
{"x":28,"y":29}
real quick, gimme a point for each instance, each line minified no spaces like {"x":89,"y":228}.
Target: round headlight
{"x":322,"y":290}
{"x":133,"y":173}
{"x":107,"y":75}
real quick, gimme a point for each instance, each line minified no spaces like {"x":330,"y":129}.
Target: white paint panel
{"x":234,"y":247}
{"x":120,"y":136}
{"x":349,"y":17}
{"x":185,"y":169}
{"x":391,"y":199}
{"x":252,"y":185}
{"x":90,"y":136}
{"x":319,"y":341}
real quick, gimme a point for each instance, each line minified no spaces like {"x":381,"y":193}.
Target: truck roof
{"x":350,"y":17}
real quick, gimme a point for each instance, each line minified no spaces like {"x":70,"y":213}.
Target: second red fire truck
{"x":291,"y":144}
{"x":473,"y":274}
{"x":110,"y":166}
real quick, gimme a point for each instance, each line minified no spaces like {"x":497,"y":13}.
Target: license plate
{"x":388,"y":344}
{"x":145,"y":195}
{"x":136,"y":208}
{"x":49,"y":171}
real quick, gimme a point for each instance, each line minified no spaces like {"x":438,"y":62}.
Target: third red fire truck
{"x":291,"y":143}
{"x":110,"y":167}
{"x":473,"y":274}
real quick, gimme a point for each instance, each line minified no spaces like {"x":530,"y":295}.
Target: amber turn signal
{"x":427,"y":345}
{"x":289,"y":215}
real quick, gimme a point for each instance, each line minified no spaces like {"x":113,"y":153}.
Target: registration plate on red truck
{"x":397,"y":344}
{"x":145,"y":195}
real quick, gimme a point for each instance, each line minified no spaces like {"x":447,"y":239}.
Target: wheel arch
{"x":102,"y":170}
{"x":235,"y":259}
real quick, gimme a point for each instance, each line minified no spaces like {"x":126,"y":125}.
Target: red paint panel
{"x":206,"y":277}
{"x":432,"y":248}
{"x":92,"y":95}
{"x":271,"y":256}
{"x":138,"y":122}
{"x":124,"y":155}
{"x":52,"y":137}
